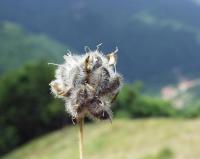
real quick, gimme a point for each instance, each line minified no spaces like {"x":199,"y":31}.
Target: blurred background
{"x":156,"y":113}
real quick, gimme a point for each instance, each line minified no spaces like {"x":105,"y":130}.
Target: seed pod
{"x":88,"y":84}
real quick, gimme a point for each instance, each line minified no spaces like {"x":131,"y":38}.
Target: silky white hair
{"x":88,"y":84}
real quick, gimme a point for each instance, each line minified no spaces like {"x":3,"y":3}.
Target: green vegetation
{"x":130,"y":103}
{"x":138,"y":139}
{"x":160,"y":40}
{"x":192,"y":111}
{"x":27,"y":108}
{"x":18,"y":47}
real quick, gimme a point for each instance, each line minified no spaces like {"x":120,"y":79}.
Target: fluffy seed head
{"x":88,"y":84}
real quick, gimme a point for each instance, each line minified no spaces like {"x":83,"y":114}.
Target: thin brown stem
{"x":81,"y":124}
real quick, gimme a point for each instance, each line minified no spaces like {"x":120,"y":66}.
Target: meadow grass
{"x":123,"y":139}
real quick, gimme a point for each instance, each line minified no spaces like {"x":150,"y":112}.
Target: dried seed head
{"x":88,"y":84}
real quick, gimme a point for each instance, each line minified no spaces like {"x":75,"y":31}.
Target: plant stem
{"x":81,"y":123}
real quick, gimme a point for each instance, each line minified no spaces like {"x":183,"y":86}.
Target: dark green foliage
{"x":131,"y":103}
{"x":151,"y":107}
{"x":27,"y":108}
{"x":192,"y":111}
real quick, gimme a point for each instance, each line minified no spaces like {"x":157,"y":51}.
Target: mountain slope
{"x":140,"y":139}
{"x":18,"y":47}
{"x":157,"y":39}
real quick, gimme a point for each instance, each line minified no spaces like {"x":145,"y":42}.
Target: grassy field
{"x":123,"y":139}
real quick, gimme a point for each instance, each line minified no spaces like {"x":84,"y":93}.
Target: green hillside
{"x":18,"y":47}
{"x":124,"y":139}
{"x":158,"y":40}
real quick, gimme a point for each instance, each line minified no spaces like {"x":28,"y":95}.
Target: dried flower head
{"x":88,"y":84}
